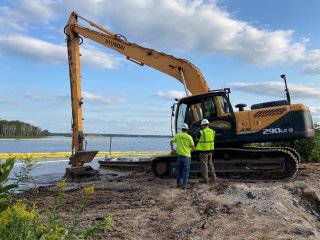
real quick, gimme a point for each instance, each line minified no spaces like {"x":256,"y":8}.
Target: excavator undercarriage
{"x":238,"y":163}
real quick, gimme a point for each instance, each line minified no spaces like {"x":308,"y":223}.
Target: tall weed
{"x":19,"y":220}
{"x":5,"y":169}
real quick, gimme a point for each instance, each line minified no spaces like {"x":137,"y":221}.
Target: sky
{"x":245,"y":45}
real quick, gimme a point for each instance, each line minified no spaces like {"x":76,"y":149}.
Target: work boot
{"x":204,"y":181}
{"x":213,"y":178}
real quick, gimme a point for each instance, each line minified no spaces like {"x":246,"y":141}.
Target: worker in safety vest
{"x":205,"y":146}
{"x":184,"y":144}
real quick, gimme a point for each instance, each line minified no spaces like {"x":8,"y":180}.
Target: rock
{"x":250,"y":195}
{"x":312,"y":195}
{"x":302,"y":230}
{"x":113,"y":174}
{"x":295,"y":202}
{"x":296,"y":187}
{"x":313,"y":201}
{"x":205,"y":225}
{"x":301,"y":184}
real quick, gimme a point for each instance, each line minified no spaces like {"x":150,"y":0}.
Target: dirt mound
{"x":145,"y":207}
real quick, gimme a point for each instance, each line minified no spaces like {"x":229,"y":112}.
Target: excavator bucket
{"x":81,"y":157}
{"x":77,"y":170}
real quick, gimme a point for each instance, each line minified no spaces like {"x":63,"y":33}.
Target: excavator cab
{"x":214,"y":106}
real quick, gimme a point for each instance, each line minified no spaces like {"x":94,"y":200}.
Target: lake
{"x":63,"y":144}
{"x":49,"y":171}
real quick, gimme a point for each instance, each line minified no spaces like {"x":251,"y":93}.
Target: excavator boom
{"x":168,"y":64}
{"x":183,"y":70}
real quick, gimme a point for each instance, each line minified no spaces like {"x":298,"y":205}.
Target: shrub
{"x":5,"y":169}
{"x":59,"y":230}
{"x":308,"y":149}
{"x":21,"y":221}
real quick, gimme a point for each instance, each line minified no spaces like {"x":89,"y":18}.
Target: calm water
{"x":63,"y":144}
{"x":49,"y":171}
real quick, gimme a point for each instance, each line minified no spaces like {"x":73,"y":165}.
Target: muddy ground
{"x":146,"y":207}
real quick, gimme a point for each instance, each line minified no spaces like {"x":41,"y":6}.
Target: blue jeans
{"x":183,"y":169}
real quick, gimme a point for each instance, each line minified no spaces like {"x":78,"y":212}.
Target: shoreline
{"x":39,"y":155}
{"x":68,"y":135}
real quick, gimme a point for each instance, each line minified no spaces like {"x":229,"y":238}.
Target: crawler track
{"x":239,"y":163}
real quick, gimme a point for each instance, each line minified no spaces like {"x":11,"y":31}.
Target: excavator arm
{"x":181,"y":69}
{"x":184,"y":71}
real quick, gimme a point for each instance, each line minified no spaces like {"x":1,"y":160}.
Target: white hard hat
{"x":204,"y":121}
{"x":185,"y":126}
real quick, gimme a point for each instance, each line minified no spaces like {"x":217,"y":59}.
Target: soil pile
{"x":146,"y":207}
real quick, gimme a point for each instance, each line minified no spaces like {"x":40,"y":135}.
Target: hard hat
{"x":204,"y":121}
{"x":185,"y":126}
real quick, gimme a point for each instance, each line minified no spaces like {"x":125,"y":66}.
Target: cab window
{"x":181,"y":116}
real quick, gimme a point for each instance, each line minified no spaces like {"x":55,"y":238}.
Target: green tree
{"x":20,"y":129}
{"x":308,"y":149}
{"x":315,"y":153}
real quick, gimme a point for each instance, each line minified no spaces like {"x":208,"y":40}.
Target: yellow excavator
{"x":264,"y":122}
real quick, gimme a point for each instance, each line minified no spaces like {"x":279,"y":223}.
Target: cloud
{"x":199,"y":27}
{"x":37,"y":10}
{"x":52,"y":99}
{"x":277,"y":89}
{"x":315,"y":110}
{"x":210,"y":30}
{"x":19,"y":16}
{"x":98,"y":99}
{"x":35,"y":49}
{"x":15,"y":23}
{"x":95,"y":58}
{"x":315,"y":114}
{"x":39,"y":50}
{"x":312,"y":65}
{"x":171,"y":95}
{"x":9,"y":102}
{"x":87,"y":97}
{"x":37,"y":96}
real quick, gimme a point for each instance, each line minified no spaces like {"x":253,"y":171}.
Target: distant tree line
{"x":20,"y":129}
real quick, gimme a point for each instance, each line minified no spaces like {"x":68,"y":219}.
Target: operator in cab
{"x":205,"y":147}
{"x":184,"y":144}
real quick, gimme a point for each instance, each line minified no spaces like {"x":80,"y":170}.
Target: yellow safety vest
{"x":206,"y":141}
